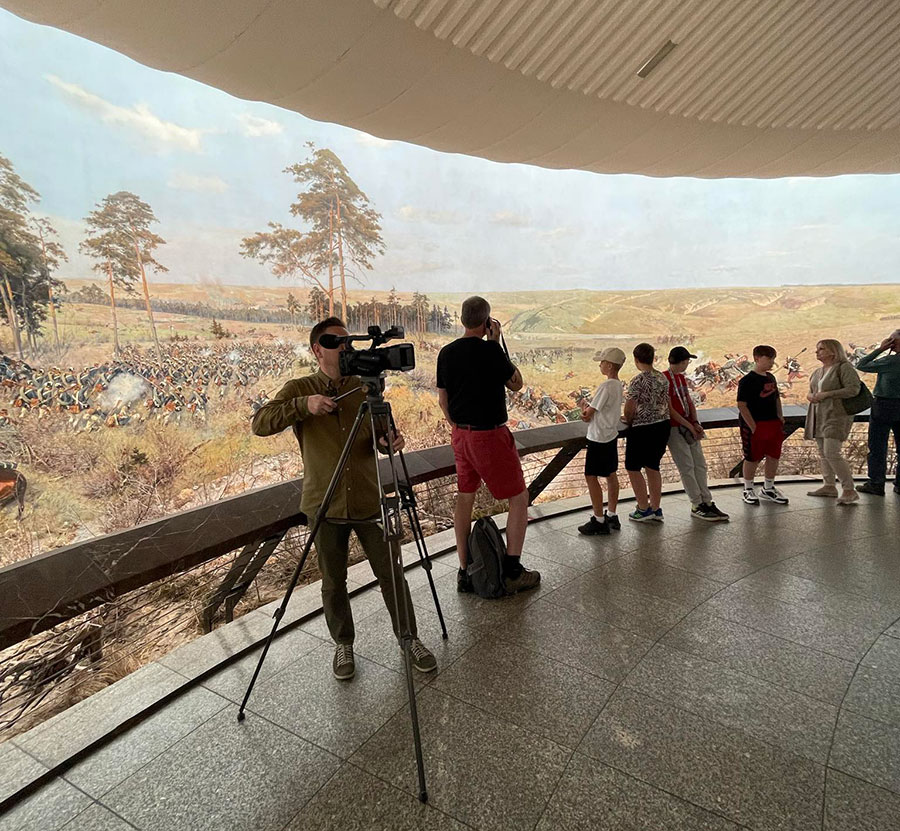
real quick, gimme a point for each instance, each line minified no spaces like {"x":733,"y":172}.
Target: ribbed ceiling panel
{"x":806,"y":64}
{"x":754,"y":88}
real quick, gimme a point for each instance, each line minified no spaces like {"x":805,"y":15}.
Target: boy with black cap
{"x":604,"y":417}
{"x":685,"y":437}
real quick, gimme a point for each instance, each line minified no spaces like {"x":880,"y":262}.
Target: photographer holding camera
{"x":472,"y":378}
{"x":321,"y":409}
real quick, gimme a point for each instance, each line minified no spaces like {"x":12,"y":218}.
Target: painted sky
{"x":80,"y":121}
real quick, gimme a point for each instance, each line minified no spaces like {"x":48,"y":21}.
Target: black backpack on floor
{"x":486,"y":552}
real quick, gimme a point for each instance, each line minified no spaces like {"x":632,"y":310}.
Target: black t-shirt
{"x":760,"y":394}
{"x":474,"y":372}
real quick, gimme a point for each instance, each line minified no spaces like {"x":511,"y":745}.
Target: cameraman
{"x":472,"y":378}
{"x":322,"y":426}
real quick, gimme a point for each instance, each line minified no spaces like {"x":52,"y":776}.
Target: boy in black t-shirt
{"x":473,"y":375}
{"x":762,"y":426}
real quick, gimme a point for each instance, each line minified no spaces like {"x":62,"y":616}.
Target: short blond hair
{"x":835,"y":347}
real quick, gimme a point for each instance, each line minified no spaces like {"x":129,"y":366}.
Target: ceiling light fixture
{"x":653,"y":62}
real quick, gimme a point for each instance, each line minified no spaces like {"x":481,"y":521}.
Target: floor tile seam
{"x":520,"y":644}
{"x":315,"y":794}
{"x":59,"y":769}
{"x":428,"y":678}
{"x":392,"y":786}
{"x":556,"y":785}
{"x":106,"y":807}
{"x":655,"y":786}
{"x":724,"y":663}
{"x":635,"y":633}
{"x":781,"y":562}
{"x":895,"y":607}
{"x":836,"y":586}
{"x":63,"y":775}
{"x":844,"y":699}
{"x":307,"y":740}
{"x":731,"y":730}
{"x":522,"y":728}
{"x":858,"y":778}
{"x":621,"y":683}
{"x":724,"y":583}
{"x":262,"y":679}
{"x":720,"y":583}
{"x":806,"y":647}
{"x":827,"y":617}
{"x":716,"y":719}
{"x":832,"y":654}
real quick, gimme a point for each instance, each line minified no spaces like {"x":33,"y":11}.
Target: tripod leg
{"x":404,"y":632}
{"x":279,"y":613}
{"x":415,"y":526}
{"x":320,"y":518}
{"x":419,"y":538}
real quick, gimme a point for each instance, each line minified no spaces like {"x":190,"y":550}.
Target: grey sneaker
{"x":773,"y":495}
{"x":344,"y":666}
{"x":525,"y":580}
{"x":422,"y":658}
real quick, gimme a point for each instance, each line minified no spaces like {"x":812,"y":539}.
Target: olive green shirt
{"x":888,"y":368}
{"x":321,"y":439}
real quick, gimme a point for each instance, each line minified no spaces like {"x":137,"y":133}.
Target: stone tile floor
{"x":677,"y":676}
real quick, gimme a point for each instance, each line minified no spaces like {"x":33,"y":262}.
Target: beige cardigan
{"x":827,"y":419}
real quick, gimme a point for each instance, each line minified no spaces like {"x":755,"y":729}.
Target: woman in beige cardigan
{"x":826,"y":420}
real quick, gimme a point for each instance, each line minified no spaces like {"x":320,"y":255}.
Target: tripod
{"x":400,"y":498}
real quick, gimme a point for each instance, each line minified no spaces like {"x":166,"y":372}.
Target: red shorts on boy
{"x":765,"y":442}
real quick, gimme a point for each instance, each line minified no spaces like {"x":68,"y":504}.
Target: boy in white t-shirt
{"x":602,"y":460}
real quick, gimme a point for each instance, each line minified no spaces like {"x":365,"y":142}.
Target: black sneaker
{"x":702,"y":511}
{"x":873,"y":488}
{"x":593,"y":527}
{"x":613,"y":522}
{"x":343,"y":666}
{"x":718,"y":514}
{"x":464,"y":582}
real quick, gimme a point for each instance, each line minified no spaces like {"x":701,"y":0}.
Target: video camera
{"x":400,"y":357}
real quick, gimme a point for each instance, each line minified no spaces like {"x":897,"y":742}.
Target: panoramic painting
{"x":165,"y":249}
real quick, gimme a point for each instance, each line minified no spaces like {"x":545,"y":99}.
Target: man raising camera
{"x":472,"y":378}
{"x":322,"y":425}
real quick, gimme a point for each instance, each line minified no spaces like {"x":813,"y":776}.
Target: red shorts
{"x":766,"y":441}
{"x":488,"y":455}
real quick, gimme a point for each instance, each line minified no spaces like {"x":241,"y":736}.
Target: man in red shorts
{"x":762,"y":426}
{"x":473,"y":374}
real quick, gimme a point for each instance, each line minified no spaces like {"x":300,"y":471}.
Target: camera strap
{"x":503,"y":344}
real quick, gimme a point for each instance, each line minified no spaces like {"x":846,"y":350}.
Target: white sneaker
{"x":750,"y":497}
{"x":773,"y":495}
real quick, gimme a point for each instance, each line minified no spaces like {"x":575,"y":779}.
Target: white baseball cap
{"x":612,"y":354}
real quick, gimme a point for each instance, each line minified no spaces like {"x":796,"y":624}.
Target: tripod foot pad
{"x":423,"y":796}
{"x":241,"y":715}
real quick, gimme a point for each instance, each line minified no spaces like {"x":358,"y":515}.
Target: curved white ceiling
{"x":757,"y":88}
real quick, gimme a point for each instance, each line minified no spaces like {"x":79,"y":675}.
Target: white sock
{"x":769,"y":484}
{"x":610,"y":515}
{"x":598,"y":518}
{"x":748,"y":484}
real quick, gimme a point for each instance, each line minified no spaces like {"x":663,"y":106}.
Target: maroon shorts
{"x":766,"y":441}
{"x":489,"y":456}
